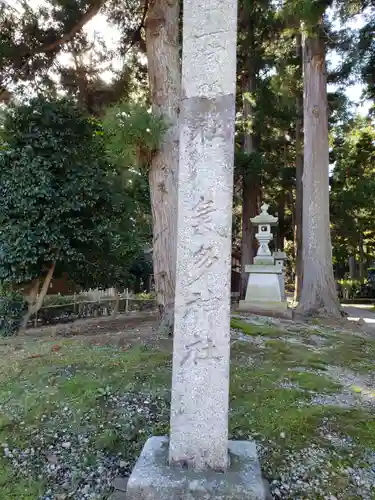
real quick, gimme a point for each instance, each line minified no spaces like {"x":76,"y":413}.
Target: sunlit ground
{"x":360,"y":311}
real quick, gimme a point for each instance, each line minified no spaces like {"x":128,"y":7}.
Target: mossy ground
{"x":258,"y":389}
{"x":49,"y":386}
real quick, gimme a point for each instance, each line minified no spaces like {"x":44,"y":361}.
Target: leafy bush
{"x":349,"y":288}
{"x":12,"y":308}
{"x":57,"y":300}
{"x":61,"y":300}
{"x":132,"y":134}
{"x":65,"y":211}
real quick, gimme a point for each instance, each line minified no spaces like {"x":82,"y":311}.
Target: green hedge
{"x":352,"y":287}
{"x":12,"y":309}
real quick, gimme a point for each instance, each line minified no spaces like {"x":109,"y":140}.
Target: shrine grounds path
{"x":76,"y":407}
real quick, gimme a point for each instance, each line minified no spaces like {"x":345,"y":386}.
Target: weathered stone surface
{"x":278,"y":309}
{"x":280,"y":257}
{"x":263,"y":287}
{"x":209,"y":48}
{"x":120,"y":483}
{"x":118,"y":495}
{"x":264,"y":268}
{"x":154,"y":479}
{"x":198,"y":463}
{"x":200,"y":382}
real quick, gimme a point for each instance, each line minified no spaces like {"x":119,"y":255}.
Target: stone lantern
{"x":265,"y":288}
{"x":264,"y":236}
{"x":280,"y":258}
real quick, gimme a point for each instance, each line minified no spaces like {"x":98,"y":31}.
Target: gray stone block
{"x":120,"y":483}
{"x":263,"y":269}
{"x":201,"y":342}
{"x":278,"y":309}
{"x":153,"y":478}
{"x":118,"y":495}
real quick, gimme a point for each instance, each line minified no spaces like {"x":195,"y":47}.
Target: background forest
{"x":90,"y":95}
{"x":89,"y":143}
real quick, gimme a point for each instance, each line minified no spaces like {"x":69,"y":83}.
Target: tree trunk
{"x":35,"y":305}
{"x":299,"y":173}
{"x":362,"y":263}
{"x":318,"y":292}
{"x":162,"y":43}
{"x":31,"y":301}
{"x":249,"y":209}
{"x":250,"y":188}
{"x":281,"y":230}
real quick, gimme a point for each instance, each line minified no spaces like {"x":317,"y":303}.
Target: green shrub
{"x":61,"y":300}
{"x":351,"y":287}
{"x":57,"y":300}
{"x":12,"y":308}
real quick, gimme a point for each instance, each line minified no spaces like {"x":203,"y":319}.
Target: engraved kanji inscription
{"x":203,"y":259}
{"x":202,"y":348}
{"x":202,"y":219}
{"x":204,"y":297}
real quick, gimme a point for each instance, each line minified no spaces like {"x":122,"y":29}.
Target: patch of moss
{"x":254,"y":330}
{"x":314,"y":382}
{"x":245,"y":353}
{"x":357,"y":423}
{"x":19,"y":488}
{"x":42,"y":385}
{"x":109,"y":440}
{"x":294,"y":355}
{"x":351,"y":352}
{"x":259,"y":405}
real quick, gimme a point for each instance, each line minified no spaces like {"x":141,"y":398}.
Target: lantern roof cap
{"x":264,"y":217}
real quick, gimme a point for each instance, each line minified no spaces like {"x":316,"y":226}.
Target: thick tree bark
{"x":280,"y":235}
{"x":250,"y":192}
{"x":31,"y":299}
{"x":352,"y":266}
{"x":162,"y":43}
{"x":250,"y":187}
{"x":362,"y":262}
{"x":318,"y":292}
{"x":299,"y":173}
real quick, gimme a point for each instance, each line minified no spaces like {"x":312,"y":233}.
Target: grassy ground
{"x":73,"y":414}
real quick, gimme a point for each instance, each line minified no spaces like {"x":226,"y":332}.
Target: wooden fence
{"x":93,"y":303}
{"x":88,"y":305}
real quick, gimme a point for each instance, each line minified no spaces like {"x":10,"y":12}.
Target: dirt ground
{"x":123,"y":331}
{"x":142,"y":328}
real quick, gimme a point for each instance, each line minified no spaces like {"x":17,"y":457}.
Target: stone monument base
{"x":266,"y":308}
{"x":153,"y":479}
{"x":264,"y":283}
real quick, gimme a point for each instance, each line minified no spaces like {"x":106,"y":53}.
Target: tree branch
{"x":136,"y":37}
{"x":90,"y":14}
{"x":50,"y":47}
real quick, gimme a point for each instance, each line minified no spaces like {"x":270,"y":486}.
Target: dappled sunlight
{"x":366,"y":392}
{"x":359,"y":312}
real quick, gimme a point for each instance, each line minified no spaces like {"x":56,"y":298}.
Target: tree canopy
{"x":57,"y":188}
{"x":84,"y":79}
